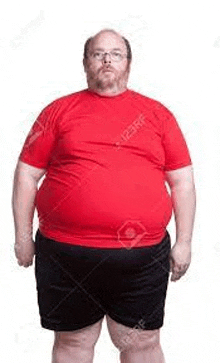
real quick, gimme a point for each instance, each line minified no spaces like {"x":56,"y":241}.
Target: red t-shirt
{"x":105,"y":159}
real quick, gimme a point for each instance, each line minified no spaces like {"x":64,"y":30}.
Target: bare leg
{"x":150,"y":355}
{"x":136,"y":345}
{"x":76,"y":346}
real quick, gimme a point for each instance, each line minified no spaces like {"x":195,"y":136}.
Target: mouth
{"x":106,"y":70}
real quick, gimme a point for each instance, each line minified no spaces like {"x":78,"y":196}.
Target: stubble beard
{"x":104,"y":83}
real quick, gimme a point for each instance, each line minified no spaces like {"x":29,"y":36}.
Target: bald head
{"x":125,"y":43}
{"x":106,"y":62}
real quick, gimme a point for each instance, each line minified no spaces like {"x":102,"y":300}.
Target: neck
{"x":108,"y":91}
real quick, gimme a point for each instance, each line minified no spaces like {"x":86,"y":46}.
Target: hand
{"x":180,"y":258}
{"x":24,"y":252}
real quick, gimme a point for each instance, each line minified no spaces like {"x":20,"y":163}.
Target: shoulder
{"x":56,"y":108}
{"x":155,"y":105}
{"x":64,"y":100}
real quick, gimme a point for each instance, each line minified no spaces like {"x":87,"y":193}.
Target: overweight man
{"x":102,"y":248}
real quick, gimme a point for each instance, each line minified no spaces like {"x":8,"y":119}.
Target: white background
{"x":176,"y":60}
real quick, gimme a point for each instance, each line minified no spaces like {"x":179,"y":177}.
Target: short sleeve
{"x":40,"y":141}
{"x":175,"y":148}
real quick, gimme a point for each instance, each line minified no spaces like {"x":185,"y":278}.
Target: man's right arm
{"x":26,"y":179}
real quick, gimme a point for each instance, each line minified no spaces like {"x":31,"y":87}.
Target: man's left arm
{"x":183,"y":195}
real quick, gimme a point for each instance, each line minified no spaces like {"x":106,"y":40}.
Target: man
{"x":102,"y":247}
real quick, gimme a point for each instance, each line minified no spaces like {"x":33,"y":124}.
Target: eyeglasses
{"x":115,"y":56}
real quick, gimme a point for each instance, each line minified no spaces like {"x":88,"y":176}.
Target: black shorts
{"x":77,"y":285}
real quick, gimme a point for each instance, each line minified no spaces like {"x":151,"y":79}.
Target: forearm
{"x":23,"y":206}
{"x":184,"y":206}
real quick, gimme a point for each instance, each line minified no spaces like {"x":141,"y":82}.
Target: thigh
{"x":86,"y":336}
{"x":139,"y":290}
{"x":67,"y":288}
{"x":126,"y":338}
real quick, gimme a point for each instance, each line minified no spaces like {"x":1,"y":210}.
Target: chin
{"x":104,"y":87}
{"x":104,"y":84}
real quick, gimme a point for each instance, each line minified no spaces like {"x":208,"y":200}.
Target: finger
{"x":181,"y":271}
{"x":29,"y":263}
{"x":25,"y":264}
{"x":180,"y":268}
{"x":175,"y":277}
{"x":177,"y":273}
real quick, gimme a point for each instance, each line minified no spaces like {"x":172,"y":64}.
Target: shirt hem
{"x":95,"y":243}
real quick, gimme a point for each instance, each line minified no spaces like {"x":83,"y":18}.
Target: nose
{"x":107,"y":58}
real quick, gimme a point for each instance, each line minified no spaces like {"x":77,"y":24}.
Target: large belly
{"x":108,"y":199}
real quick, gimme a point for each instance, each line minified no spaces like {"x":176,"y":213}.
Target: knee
{"x":133,"y":339}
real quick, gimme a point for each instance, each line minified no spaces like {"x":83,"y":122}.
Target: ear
{"x":129,"y":65}
{"x":84,"y":64}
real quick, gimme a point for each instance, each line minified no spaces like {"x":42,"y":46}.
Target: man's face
{"x":107,"y":74}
